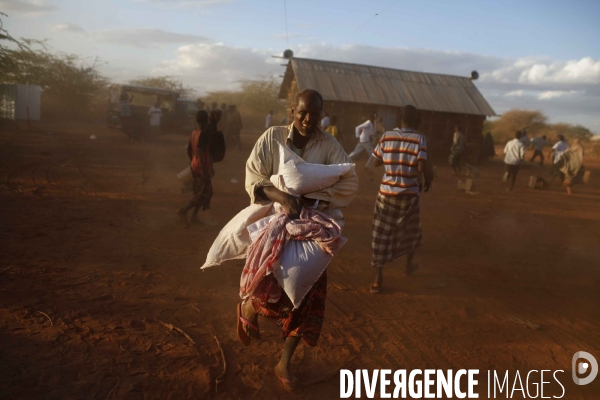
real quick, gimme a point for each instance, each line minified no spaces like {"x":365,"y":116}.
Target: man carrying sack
{"x":304,"y":138}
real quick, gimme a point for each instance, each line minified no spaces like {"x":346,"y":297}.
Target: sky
{"x":530,"y":54}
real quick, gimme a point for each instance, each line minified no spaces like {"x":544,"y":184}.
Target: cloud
{"x":515,"y":93}
{"x":185,"y":3}
{"x":552,"y":94}
{"x":147,"y":37}
{"x":27,"y":7}
{"x":66,"y":27}
{"x":215,"y":66}
{"x":539,"y":72}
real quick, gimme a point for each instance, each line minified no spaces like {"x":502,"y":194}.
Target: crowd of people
{"x":567,"y":160}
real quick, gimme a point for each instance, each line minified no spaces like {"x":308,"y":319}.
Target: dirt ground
{"x":93,"y":261}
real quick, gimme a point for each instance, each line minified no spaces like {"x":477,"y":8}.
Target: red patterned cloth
{"x":264,"y":254}
{"x":306,"y":321}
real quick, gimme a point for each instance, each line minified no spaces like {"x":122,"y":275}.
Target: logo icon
{"x":590,"y":364}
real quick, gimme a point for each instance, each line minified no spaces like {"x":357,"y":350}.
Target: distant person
{"x":333,"y":129}
{"x":200,"y":104}
{"x":214,"y":106}
{"x":488,"y":150}
{"x":125,"y":114}
{"x":325,"y":122}
{"x":514,"y":153}
{"x":558,"y":149}
{"x":396,"y":220}
{"x":570,"y":165}
{"x":234,"y":127}
{"x":201,"y":166}
{"x":538,"y":144}
{"x":524,"y":138}
{"x":222,"y":126}
{"x":456,"y":151}
{"x":364,"y":132}
{"x":155,"y":114}
{"x":284,"y":121}
{"x":269,"y":120}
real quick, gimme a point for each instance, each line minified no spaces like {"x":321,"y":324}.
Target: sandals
{"x":290,"y":386}
{"x":241,"y":321}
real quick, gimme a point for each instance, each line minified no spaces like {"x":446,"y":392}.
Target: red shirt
{"x":196,"y":164}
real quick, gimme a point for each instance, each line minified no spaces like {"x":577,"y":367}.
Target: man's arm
{"x":422,"y":167}
{"x":361,"y":127}
{"x":522,"y":152}
{"x":424,"y":164}
{"x":259,"y":169}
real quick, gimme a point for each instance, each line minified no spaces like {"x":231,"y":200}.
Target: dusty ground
{"x":92,"y":260}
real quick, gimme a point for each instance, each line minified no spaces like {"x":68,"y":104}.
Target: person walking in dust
{"x":155,"y":115}
{"x":201,"y":165}
{"x":304,"y":138}
{"x":125,"y":114}
{"x":396,"y":221}
{"x":558,"y":149}
{"x":538,"y":144}
{"x":269,"y":120}
{"x":456,"y":151}
{"x":364,"y":132}
{"x":514,"y":153}
{"x":234,"y":127}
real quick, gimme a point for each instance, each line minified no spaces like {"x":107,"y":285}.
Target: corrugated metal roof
{"x":385,"y":86}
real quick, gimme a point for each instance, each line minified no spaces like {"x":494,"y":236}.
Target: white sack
{"x":297,"y":177}
{"x":233,"y":240}
{"x":302,"y":263}
{"x":294,"y":176}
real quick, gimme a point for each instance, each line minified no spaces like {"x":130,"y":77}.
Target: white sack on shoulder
{"x":297,"y":177}
{"x":233,"y":240}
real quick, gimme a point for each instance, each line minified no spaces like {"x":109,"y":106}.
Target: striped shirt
{"x":401,"y":150}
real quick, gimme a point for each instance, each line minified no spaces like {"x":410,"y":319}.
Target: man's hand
{"x":291,"y":205}
{"x":426,"y":186}
{"x":308,"y":203}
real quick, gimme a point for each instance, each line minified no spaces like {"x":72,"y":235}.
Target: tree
{"x":70,"y":85}
{"x":6,"y":53}
{"x":165,"y":82}
{"x":254,"y":100}
{"x":535,"y":123}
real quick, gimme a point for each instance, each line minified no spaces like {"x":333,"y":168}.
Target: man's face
{"x":307,"y":115}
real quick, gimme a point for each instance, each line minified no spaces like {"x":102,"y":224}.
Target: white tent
{"x":20,"y":102}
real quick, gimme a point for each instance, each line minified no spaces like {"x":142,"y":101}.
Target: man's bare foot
{"x":375,"y":288}
{"x":250,"y":314}
{"x":194,"y":220}
{"x":410,"y":269}
{"x":289,"y":380}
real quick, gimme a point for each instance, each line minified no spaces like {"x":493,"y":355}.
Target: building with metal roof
{"x":354,"y":92}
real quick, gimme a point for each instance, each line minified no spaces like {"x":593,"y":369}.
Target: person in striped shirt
{"x":396,"y":221}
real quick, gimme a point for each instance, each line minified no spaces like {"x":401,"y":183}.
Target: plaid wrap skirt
{"x":203,"y":191}
{"x":396,"y":228}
